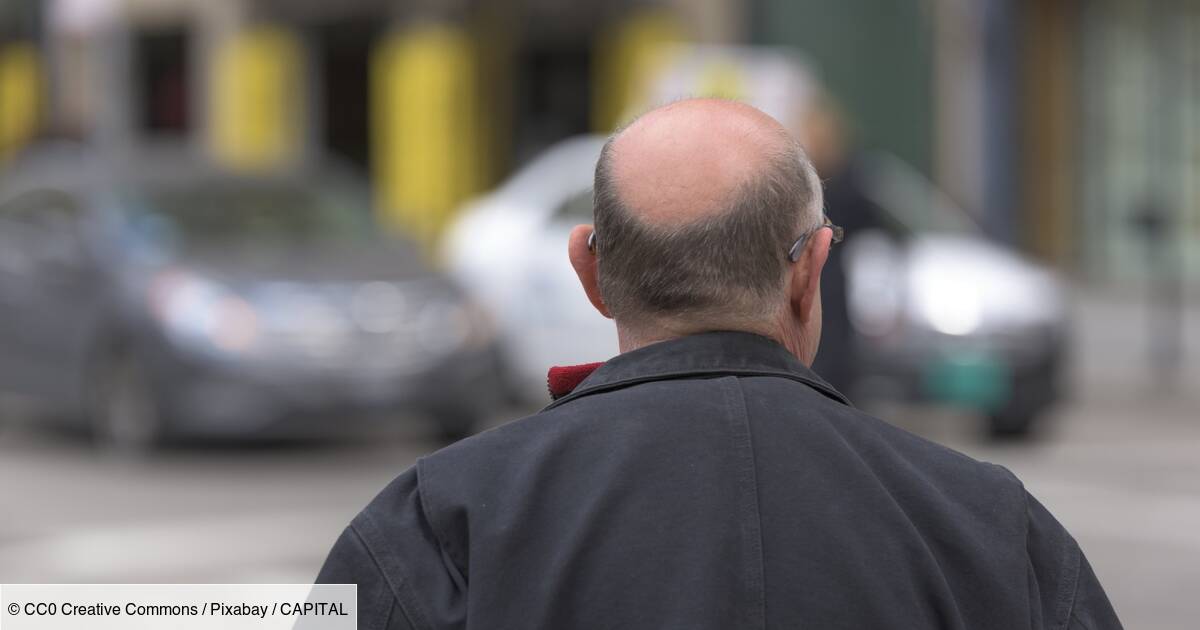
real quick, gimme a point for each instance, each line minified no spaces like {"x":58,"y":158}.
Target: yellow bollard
{"x":20,"y":96}
{"x":425,"y":145}
{"x":256,"y":99}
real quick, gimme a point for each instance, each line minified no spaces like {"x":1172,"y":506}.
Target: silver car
{"x":942,"y":314}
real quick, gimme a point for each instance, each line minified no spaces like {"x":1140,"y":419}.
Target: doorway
{"x":343,"y":64}
{"x":553,"y":94}
{"x":162,"y":74}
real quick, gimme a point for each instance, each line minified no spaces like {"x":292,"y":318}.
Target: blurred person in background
{"x":706,"y":477}
{"x":826,"y":139}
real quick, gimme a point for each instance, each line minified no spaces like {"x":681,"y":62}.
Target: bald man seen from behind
{"x":705,"y":477}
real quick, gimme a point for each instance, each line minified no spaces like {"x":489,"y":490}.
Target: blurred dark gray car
{"x":164,"y":299}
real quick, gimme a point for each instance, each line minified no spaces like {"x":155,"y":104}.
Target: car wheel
{"x":122,"y":412}
{"x":1011,"y":422}
{"x":1034,"y":392}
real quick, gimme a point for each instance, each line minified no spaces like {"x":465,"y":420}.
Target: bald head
{"x":687,"y":160}
{"x":696,"y":204}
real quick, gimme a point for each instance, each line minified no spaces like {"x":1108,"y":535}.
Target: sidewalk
{"x":1110,"y":360}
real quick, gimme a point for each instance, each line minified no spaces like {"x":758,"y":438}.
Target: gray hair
{"x":727,"y":268}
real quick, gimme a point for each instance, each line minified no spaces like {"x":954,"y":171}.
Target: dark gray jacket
{"x":714,"y":482}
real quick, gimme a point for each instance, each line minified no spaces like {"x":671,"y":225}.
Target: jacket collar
{"x":705,"y":354}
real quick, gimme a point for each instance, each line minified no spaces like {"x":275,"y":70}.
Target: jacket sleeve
{"x":1064,"y":591}
{"x":405,"y":580}
{"x":1092,"y":610}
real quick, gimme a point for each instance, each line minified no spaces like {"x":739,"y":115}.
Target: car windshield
{"x":911,"y":200}
{"x":214,"y":213}
{"x":577,"y":208}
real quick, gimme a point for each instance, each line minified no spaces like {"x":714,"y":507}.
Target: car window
{"x":577,"y":208}
{"x":911,"y":200}
{"x":222,"y":212}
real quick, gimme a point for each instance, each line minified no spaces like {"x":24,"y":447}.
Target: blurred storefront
{"x":1066,"y":127}
{"x":1139,"y":138}
{"x":1111,"y":138}
{"x":876,"y":58}
{"x":1070,"y":129}
{"x":434,"y":100}
{"x":20,"y":75}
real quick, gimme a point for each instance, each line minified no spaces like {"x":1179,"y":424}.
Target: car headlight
{"x":442,"y":325}
{"x":948,"y":302}
{"x":202,"y":314}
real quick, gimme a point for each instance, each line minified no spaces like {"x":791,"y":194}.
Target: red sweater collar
{"x":562,"y":379}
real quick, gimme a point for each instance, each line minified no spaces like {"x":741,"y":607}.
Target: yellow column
{"x":256,"y":99}
{"x":425,"y":144}
{"x":20,"y":96}
{"x":628,"y":55}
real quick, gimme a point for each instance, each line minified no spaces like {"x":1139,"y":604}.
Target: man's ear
{"x":584,"y":262}
{"x":806,"y":274}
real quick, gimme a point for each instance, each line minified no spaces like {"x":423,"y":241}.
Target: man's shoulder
{"x":592,"y":423}
{"x":525,"y":429}
{"x":515,"y":443}
{"x":893,"y":456}
{"x":858,"y":428}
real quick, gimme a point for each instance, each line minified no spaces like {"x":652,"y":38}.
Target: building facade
{"x":1070,"y":129}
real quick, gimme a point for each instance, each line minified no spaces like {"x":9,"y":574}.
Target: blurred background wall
{"x":1057,"y":122}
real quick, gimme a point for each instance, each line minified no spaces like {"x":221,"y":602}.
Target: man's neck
{"x":630,"y":338}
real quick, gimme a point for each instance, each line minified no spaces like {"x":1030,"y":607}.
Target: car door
{"x":47,"y":296}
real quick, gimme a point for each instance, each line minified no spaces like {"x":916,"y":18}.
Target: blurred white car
{"x":939,"y":313}
{"x":510,"y":250}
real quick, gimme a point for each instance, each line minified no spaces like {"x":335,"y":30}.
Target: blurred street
{"x":228,"y":227}
{"x":1117,"y":466}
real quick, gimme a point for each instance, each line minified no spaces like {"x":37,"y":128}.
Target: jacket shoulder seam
{"x":416,"y":617}
{"x":428,"y":512}
{"x":1068,"y":568}
{"x":1067,"y":601}
{"x":1083,"y":625}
